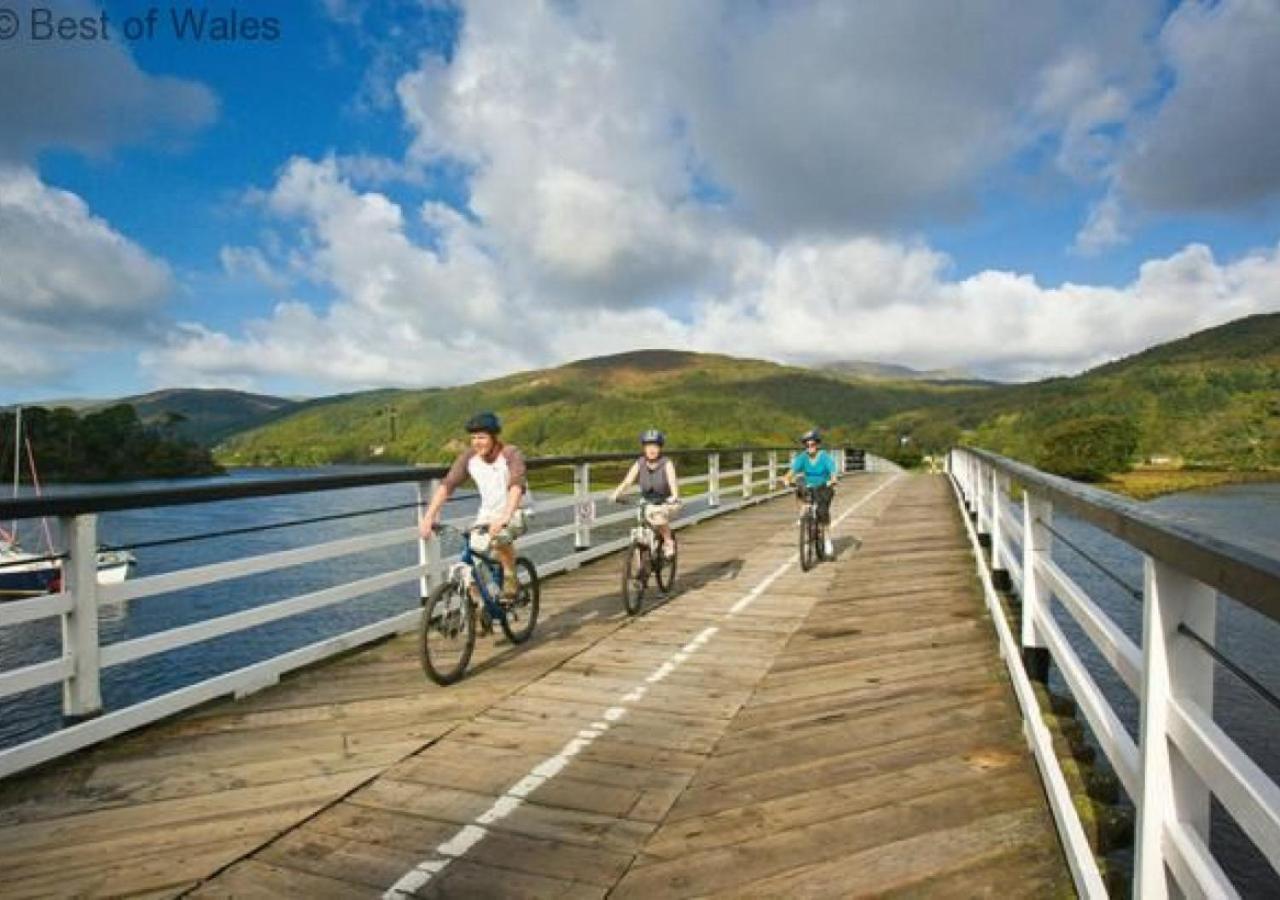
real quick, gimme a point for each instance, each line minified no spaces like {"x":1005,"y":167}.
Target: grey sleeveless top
{"x":653,"y":483}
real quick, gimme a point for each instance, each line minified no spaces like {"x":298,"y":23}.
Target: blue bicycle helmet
{"x":812,"y":434}
{"x":484,"y":421}
{"x":653,"y":436}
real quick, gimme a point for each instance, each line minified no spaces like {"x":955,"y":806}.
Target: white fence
{"x":78,"y":669}
{"x":1182,"y":757}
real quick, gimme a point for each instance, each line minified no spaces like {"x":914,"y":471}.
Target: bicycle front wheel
{"x":664,"y":568}
{"x":806,"y":542}
{"x":522,"y":614}
{"x":635,"y":577}
{"x":447,"y":633}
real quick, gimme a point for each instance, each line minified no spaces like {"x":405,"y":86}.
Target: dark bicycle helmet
{"x":653,"y":436}
{"x":812,"y":434}
{"x":484,"y":421}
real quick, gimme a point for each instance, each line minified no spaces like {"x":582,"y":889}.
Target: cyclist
{"x":656,"y":475}
{"x":818,"y":469}
{"x":498,"y":470}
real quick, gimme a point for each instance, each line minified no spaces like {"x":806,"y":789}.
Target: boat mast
{"x":17,"y":460}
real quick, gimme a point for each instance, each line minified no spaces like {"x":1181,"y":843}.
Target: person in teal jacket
{"x":818,"y":469}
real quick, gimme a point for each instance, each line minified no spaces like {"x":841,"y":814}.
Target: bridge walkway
{"x":767,"y":731}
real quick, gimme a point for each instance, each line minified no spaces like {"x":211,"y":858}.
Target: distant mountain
{"x":875,"y":371}
{"x":205,"y":416}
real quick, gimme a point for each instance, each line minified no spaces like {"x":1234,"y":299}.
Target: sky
{"x":361,"y":194}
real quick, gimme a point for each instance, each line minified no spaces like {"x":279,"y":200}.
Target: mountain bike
{"x":813,"y":534}
{"x":447,"y":632}
{"x":644,"y":558}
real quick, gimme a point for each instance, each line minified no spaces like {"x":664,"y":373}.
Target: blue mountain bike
{"x":473,"y":590}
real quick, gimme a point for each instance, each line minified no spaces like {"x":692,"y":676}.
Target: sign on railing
{"x":1182,"y":758}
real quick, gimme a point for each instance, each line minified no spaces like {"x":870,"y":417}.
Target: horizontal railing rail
{"x":1182,"y":758}
{"x":77,"y":603}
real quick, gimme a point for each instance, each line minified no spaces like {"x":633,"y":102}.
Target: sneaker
{"x":828,"y":548}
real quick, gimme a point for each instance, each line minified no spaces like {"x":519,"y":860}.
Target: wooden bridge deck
{"x":767,"y":732}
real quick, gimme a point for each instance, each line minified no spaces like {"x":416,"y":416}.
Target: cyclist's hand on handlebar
{"x":427,"y":527}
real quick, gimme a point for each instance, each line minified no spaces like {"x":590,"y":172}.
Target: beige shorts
{"x":518,"y":525}
{"x":660,"y":514}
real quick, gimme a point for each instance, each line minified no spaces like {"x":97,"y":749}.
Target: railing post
{"x":1037,"y":544}
{"x":581,"y":509}
{"x":428,"y":548}
{"x":82,"y":689}
{"x":713,"y":479}
{"x":1172,"y":669}
{"x":999,"y":495}
{"x":773,"y":470}
{"x":746,"y":475}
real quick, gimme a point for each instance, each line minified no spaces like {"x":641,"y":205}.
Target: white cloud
{"x":722,"y":177}
{"x":1213,"y":142}
{"x":87,"y":95}
{"x":68,"y":281}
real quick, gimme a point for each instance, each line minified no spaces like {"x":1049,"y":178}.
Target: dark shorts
{"x":822,"y":497}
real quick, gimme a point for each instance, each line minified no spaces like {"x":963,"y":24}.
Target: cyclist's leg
{"x":659,"y":517}
{"x":824,"y":497}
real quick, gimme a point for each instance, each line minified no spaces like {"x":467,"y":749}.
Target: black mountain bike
{"x":813,"y":534}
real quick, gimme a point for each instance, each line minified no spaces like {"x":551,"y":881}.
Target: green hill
{"x":205,"y":416}
{"x":592,"y":405}
{"x":1210,"y":400}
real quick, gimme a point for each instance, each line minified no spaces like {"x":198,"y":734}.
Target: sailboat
{"x":23,"y":573}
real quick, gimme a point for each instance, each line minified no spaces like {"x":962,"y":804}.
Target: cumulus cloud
{"x":68,"y":281}
{"x":88,"y":95}
{"x":448,"y":311}
{"x":723,"y":177}
{"x":1213,"y":142}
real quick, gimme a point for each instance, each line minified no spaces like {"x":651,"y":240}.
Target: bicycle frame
{"x":465,"y":570}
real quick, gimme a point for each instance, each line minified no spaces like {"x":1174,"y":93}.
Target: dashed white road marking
{"x":514,"y":797}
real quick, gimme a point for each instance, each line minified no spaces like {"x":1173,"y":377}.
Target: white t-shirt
{"x":493,"y":478}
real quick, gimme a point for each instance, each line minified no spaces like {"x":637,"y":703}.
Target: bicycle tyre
{"x":634,"y":579}
{"x":528,"y":597}
{"x":664,"y":567}
{"x":445,"y":675}
{"x":806,"y":543}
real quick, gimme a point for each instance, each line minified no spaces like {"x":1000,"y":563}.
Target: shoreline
{"x":1147,"y":484}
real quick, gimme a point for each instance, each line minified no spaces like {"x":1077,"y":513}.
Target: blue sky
{"x":421,"y":193}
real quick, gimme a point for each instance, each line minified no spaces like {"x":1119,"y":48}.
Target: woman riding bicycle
{"x":659,"y":487}
{"x":818,"y":469}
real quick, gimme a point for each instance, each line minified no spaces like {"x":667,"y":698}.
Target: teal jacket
{"x":817,"y":470}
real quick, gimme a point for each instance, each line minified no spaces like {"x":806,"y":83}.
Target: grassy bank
{"x":1144,"y":484}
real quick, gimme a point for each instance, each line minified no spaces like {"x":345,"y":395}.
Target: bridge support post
{"x":428,"y":549}
{"x":713,"y":479}
{"x":982,"y":491}
{"x":1037,"y":545}
{"x":582,"y":508}
{"x":81,"y":689}
{"x":773,"y":470}
{"x":746,"y":475}
{"x":1172,"y":669}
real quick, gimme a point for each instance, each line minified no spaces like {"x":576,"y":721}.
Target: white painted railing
{"x":1182,"y":757}
{"x":83,"y":657}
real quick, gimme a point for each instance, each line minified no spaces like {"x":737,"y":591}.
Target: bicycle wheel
{"x":635,"y":578}
{"x":447,"y":633}
{"x":522,"y":614}
{"x":806,"y":542}
{"x":664,"y":568}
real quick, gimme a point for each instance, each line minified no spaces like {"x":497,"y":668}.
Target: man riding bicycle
{"x":656,"y":475}
{"x":498,"y":470}
{"x":818,"y":469}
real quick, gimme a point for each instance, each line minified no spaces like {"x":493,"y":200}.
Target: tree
{"x":1090,"y":448}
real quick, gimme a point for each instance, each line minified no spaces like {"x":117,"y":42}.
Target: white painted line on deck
{"x":514,"y":797}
